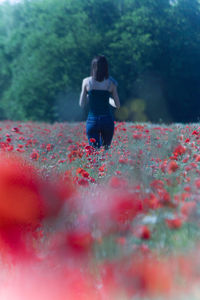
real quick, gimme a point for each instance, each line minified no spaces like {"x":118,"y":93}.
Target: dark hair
{"x":99,"y":68}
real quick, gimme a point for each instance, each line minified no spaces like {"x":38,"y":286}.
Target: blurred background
{"x":153,"y":50}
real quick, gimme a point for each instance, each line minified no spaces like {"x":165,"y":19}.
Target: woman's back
{"x":98,"y":96}
{"x":92,"y":84}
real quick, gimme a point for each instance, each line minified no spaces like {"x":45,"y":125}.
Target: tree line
{"x":152,"y":47}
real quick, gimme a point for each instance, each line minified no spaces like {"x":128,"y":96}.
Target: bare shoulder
{"x":86,"y":79}
{"x":85,"y":83}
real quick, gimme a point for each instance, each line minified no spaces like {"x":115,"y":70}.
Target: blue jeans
{"x":100,"y":128}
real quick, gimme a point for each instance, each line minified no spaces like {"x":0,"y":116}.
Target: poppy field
{"x":83,"y":223}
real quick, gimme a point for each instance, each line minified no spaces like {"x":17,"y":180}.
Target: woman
{"x":98,"y":88}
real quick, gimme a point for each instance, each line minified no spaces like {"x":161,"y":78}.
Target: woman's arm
{"x":83,"y":95}
{"x":115,"y":96}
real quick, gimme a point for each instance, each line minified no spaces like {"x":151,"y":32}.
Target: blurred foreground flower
{"x":25,"y":200}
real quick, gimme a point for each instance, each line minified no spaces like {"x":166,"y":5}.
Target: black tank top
{"x":98,"y":102}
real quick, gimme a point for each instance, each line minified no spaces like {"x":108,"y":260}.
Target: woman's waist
{"x":99,"y":110}
{"x":95,"y":116}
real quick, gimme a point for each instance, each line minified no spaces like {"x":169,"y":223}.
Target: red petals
{"x":92,"y":140}
{"x":172,"y":166}
{"x":197,"y":183}
{"x":34,"y":155}
{"x":83,"y":182}
{"x":188,"y":208}
{"x":79,"y":240}
{"x":25,"y":200}
{"x":179,"y":150}
{"x":174,"y":223}
{"x":20,"y":198}
{"x":49,"y":147}
{"x":116,"y":182}
{"x":143,"y":232}
{"x":126,"y":207}
{"x":15,"y":129}
{"x":83,"y":172}
{"x":157,"y":184}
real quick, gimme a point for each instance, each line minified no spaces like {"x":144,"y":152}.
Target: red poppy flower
{"x":172,"y":166}
{"x":92,"y":140}
{"x":143,"y":232}
{"x":188,"y":208}
{"x":79,"y":240}
{"x":174,"y":223}
{"x":179,"y":150}
{"x":34,"y":155}
{"x":126,"y":207}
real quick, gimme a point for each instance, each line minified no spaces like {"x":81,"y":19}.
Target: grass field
{"x":95,"y":224}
